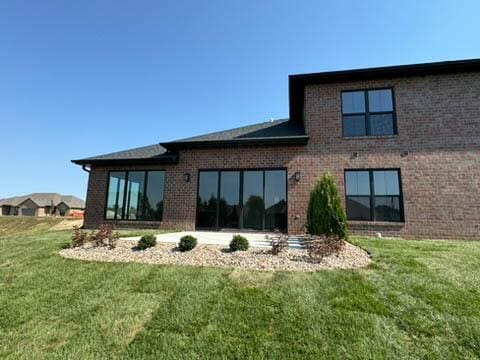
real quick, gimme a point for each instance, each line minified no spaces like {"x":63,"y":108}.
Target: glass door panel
{"x":229,"y":199}
{"x":207,"y":199}
{"x":275,"y":200}
{"x":253,"y":205}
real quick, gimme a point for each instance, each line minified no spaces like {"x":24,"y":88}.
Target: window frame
{"x":242,"y":171}
{"x":126,"y":194}
{"x":372,"y":193}
{"x":367,"y":112}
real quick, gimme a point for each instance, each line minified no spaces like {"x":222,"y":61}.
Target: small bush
{"x":104,"y":237}
{"x":187,"y":243}
{"x":239,"y":243}
{"x":325,"y":215}
{"x":278,"y":242}
{"x":79,"y":237}
{"x":146,"y":241}
{"x":322,"y":246}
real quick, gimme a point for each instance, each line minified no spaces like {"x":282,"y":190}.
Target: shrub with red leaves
{"x":320,"y":246}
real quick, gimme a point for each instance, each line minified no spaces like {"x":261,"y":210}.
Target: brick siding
{"x":437,"y":150}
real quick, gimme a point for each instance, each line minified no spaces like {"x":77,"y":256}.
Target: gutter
{"x":167,"y":159}
{"x":268,"y":141}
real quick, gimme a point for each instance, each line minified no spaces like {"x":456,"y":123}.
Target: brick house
{"x":402,"y":142}
{"x":42,"y":204}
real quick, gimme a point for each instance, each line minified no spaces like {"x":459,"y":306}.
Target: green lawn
{"x":418,"y":299}
{"x":21,"y":224}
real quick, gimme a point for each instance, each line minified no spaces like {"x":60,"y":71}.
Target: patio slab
{"x":219,"y":238}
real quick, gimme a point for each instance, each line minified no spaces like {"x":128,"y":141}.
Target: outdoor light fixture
{"x":186,"y":177}
{"x":297,"y":176}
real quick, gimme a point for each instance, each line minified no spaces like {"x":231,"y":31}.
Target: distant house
{"x":42,"y":204}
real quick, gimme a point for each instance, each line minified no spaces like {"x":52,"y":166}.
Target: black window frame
{"x":367,"y":112}
{"x":241,"y":170}
{"x":126,"y":195}
{"x":372,"y":193}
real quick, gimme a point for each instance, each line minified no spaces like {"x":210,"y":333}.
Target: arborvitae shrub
{"x":325,"y":215}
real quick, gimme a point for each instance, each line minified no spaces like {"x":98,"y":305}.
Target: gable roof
{"x":272,"y":132}
{"x":45,"y":199}
{"x":297,"y":83}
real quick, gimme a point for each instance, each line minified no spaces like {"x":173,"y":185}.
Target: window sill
{"x":354,"y":223}
{"x":367,"y":137}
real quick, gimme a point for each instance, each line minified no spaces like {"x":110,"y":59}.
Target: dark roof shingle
{"x":272,"y":128}
{"x":154,"y":152}
{"x":149,"y":151}
{"x":275,"y":131}
{"x":280,"y":131}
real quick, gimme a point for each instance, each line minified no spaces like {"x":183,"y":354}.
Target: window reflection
{"x":249,"y":199}
{"x":373,"y":195}
{"x":135,"y":195}
{"x":229,"y":201}
{"x":253,"y":205}
{"x":275,"y":200}
{"x":207,"y":199}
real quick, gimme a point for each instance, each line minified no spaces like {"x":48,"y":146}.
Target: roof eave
{"x":297,"y":83}
{"x":443,"y":67}
{"x":168,"y":159}
{"x":272,"y":141}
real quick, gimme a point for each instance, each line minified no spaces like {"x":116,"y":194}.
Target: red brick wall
{"x":438,"y":120}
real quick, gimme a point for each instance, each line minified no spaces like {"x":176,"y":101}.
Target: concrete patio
{"x":219,"y":238}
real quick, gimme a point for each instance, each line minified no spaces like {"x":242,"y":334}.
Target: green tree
{"x":325,"y":215}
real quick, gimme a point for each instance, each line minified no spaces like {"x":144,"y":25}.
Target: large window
{"x":248,"y":199}
{"x":368,"y":112}
{"x":373,"y":195}
{"x":135,"y":195}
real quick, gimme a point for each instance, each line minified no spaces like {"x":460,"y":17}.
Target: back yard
{"x":417,"y":299}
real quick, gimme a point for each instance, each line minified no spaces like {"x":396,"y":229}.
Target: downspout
{"x":84,"y":168}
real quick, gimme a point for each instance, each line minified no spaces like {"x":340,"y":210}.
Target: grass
{"x":23,"y":224}
{"x":419,"y":299}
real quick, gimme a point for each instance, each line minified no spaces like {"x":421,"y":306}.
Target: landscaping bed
{"x":217,"y":256}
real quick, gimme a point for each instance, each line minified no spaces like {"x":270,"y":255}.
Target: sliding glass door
{"x":242,"y":199}
{"x":229,"y":200}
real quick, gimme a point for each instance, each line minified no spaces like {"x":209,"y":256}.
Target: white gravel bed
{"x":218,"y":256}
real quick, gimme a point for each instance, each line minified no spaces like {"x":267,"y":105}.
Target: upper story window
{"x":368,"y":112}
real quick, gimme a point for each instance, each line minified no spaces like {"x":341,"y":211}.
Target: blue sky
{"x":81,"y":78}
